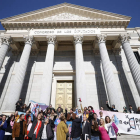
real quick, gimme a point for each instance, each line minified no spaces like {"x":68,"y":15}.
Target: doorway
{"x":64,"y":95}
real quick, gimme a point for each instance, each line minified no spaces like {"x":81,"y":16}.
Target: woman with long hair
{"x":36,"y":129}
{"x":8,"y":131}
{"x":95,"y":133}
{"x":111,"y":128}
{"x":103,"y":132}
{"x":29,"y":125}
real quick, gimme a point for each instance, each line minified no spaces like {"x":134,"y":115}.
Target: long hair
{"x":103,"y":122}
{"x":106,"y":119}
{"x":95,"y":126}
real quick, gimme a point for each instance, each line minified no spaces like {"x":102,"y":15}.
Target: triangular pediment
{"x":66,"y":12}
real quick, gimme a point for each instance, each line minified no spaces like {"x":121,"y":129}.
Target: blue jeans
{"x":78,"y":138}
{"x":95,"y":138}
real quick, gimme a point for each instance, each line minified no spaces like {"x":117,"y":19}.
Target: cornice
{"x":65,"y":6}
{"x":31,"y":18}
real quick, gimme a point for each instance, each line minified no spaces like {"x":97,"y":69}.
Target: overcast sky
{"x":125,"y":7}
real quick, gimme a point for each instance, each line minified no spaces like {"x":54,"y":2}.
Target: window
{"x":137,"y":56}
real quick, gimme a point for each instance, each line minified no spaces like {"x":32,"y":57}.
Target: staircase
{"x":128,"y":137}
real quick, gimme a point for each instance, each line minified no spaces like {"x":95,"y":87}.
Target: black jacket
{"x":76,"y":128}
{"x":49,"y":130}
{"x":111,"y":109}
{"x":9,"y":127}
{"x":33,"y":128}
{"x":87,"y":130}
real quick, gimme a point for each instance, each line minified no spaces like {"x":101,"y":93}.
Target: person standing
{"x":86,"y":129}
{"x":131,"y":109}
{"x":70,"y":116}
{"x":3,"y":126}
{"x":62,"y":129}
{"x":16,"y":116}
{"x":95,"y":133}
{"x":76,"y":128}
{"x":29,"y":125}
{"x":103,"y":132}
{"x":47,"y":133}
{"x":138,"y":110}
{"x":111,"y":108}
{"x":8,"y":131}
{"x":111,"y":128}
{"x":101,"y":115}
{"x":96,"y":118}
{"x":36,"y":129}
{"x":19,"y":129}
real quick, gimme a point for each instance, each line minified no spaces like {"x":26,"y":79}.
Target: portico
{"x":90,"y":49}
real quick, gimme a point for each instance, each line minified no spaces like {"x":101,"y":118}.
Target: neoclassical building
{"x":59,"y":54}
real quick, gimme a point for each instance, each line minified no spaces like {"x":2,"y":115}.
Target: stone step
{"x":128,"y":137}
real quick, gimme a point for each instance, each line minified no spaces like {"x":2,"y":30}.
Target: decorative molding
{"x":5,"y":40}
{"x":66,"y":16}
{"x":78,"y":39}
{"x":51,"y":39}
{"x":101,"y":38}
{"x":124,"y":38}
{"x":28,"y":39}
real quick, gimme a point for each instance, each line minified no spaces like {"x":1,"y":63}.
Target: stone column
{"x":48,"y":71}
{"x":5,"y":41}
{"x":132,"y":61}
{"x":108,"y":73}
{"x":80,"y":72}
{"x":20,"y":74}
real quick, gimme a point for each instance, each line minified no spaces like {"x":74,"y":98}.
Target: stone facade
{"x":100,"y":68}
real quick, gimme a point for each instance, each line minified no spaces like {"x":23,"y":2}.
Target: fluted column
{"x":5,"y":41}
{"x":132,"y":61}
{"x":48,"y":71}
{"x":108,"y":73}
{"x":20,"y":75}
{"x":80,"y":72}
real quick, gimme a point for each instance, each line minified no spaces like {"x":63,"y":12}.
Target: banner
{"x":127,"y":123}
{"x":36,"y":107}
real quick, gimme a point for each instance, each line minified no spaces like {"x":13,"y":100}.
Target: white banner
{"x":127,"y":123}
{"x":87,"y":31}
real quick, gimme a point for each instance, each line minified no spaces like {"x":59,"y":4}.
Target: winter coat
{"x":61,"y":131}
{"x":16,"y":129}
{"x":76,"y":128}
{"x":49,"y":129}
{"x":2,"y":130}
{"x":33,"y":128}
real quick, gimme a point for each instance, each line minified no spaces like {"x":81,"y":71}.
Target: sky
{"x":124,"y":7}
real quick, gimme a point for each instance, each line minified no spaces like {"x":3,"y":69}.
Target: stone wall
{"x":64,"y":61}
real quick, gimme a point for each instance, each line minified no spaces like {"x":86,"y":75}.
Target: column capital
{"x":51,"y":39}
{"x":5,"y":40}
{"x":101,"y":38}
{"x":125,"y":38}
{"x":78,"y":39}
{"x":28,"y":39}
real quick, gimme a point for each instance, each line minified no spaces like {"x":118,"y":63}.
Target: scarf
{"x":12,"y":124}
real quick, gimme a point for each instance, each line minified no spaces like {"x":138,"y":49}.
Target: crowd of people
{"x":78,"y":124}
